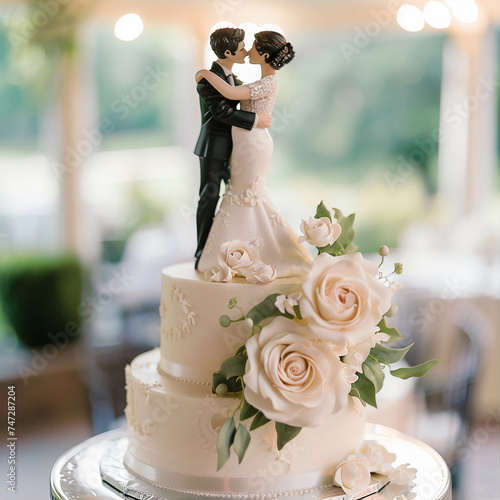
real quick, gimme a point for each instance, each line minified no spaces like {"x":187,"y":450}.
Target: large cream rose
{"x":294,"y":378}
{"x":343,"y":300}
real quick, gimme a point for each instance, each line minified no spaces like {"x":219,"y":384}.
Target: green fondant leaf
{"x":258,"y":421}
{"x":286,"y":433}
{"x":346,"y":237}
{"x":247,"y":410}
{"x":322,"y":211}
{"x":296,"y":309}
{"x":392,"y":332}
{"x":241,"y":351}
{"x":415,"y":371}
{"x":373,"y":372}
{"x":338,"y":214}
{"x":352,"y":248}
{"x":241,"y":441}
{"x":266,"y":309}
{"x":224,"y":441}
{"x":388,"y":354}
{"x":230,"y":371}
{"x":233,"y":367}
{"x":347,"y":223}
{"x":334,"y":249}
{"x":366,"y":390}
{"x":355,"y":393}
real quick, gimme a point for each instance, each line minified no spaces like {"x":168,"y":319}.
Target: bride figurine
{"x":246,"y":214}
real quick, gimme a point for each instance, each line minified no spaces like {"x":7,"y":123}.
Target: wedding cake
{"x":174,"y":417}
{"x":268,"y":355}
{"x":304,"y":352}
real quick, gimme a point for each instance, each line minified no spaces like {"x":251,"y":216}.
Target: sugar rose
{"x":219,"y":274}
{"x":238,"y":255}
{"x":320,"y":232}
{"x":343,"y":300}
{"x":294,"y":378}
{"x":260,"y":273}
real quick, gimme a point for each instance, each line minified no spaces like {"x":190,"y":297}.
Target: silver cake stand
{"x":94,"y":470}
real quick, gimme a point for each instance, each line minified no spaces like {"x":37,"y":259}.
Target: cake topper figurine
{"x":248,"y":237}
{"x":218,"y":115}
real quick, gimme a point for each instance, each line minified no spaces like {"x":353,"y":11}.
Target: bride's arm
{"x":239,"y":93}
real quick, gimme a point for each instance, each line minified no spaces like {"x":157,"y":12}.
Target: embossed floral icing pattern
{"x":183,"y":313}
{"x":209,"y":428}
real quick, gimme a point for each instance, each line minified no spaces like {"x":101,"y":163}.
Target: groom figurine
{"x":218,"y":115}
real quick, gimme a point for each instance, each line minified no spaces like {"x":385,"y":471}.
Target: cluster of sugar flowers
{"x":310,"y":351}
{"x":354,"y":473}
{"x":239,"y":258}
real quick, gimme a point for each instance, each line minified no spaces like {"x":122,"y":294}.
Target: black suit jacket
{"x":218,"y":115}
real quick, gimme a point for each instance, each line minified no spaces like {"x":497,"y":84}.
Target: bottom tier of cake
{"x":173,"y":429}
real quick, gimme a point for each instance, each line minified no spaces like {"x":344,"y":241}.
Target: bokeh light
{"x":128,"y":27}
{"x":466,"y":11}
{"x":437,"y":15}
{"x":410,"y":18}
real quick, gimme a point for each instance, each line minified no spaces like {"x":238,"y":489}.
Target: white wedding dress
{"x":246,"y":212}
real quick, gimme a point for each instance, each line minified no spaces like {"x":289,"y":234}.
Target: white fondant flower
{"x":403,"y":475}
{"x":292,"y":377}
{"x":219,"y":274}
{"x":343,"y":300}
{"x":286,"y":304}
{"x":353,"y":474}
{"x":379,"y":458}
{"x":320,"y":232}
{"x":238,"y":255}
{"x":357,"y":354}
{"x":260,"y":273}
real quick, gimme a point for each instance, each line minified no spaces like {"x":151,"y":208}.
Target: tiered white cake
{"x":174,"y":417}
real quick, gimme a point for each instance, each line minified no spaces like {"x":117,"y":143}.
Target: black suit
{"x":214,"y":147}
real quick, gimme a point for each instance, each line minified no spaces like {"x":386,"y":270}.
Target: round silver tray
{"x":94,"y":469}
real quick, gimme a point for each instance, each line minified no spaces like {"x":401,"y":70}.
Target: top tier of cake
{"x":193,"y":343}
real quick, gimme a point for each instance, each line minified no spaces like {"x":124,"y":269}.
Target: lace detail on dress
{"x":264,"y":93}
{"x":250,"y":197}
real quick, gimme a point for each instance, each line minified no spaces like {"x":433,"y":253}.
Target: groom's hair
{"x":226,"y":39}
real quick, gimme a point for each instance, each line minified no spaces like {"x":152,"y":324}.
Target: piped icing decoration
{"x":309,"y":353}
{"x":183,"y":313}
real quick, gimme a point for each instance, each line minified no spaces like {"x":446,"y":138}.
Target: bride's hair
{"x":280,"y":52}
{"x":226,"y":39}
